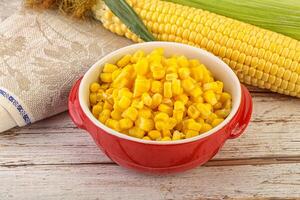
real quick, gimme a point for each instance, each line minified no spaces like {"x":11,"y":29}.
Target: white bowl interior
{"x":219,"y":69}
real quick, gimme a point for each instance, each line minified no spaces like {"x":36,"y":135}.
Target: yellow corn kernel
{"x":207,"y":77}
{"x":188,"y":84}
{"x":94,"y":87}
{"x":107,"y":105}
{"x":178,"y":115}
{"x":198,"y":99}
{"x":125,"y":124}
{"x":154,"y":58}
{"x":166,"y":109}
{"x":196,"y":92}
{"x":179,"y":105}
{"x":204,"y":109}
{"x":136,"y":132}
{"x":194,"y":63}
{"x":220,"y":87}
{"x":103,"y":118}
{"x":156,"y":100}
{"x":171,"y":70}
{"x":115,"y":114}
{"x":156,"y":87}
{"x":179,"y":126}
{"x":114,"y":124}
{"x":137,"y":104}
{"x":211,"y":118}
{"x":227,"y":104}
{"x":124,"y":92}
{"x":166,"y":138}
{"x":161,"y":116}
{"x":145,"y":124}
{"x":184,"y":73}
{"x":170,"y":62}
{"x":218,"y":96}
{"x":161,"y":125}
{"x":216,"y":122}
{"x":200,"y":120}
{"x":166,"y":133}
{"x":106,"y":77}
{"x":210,"y":97}
{"x":177,"y":135}
{"x":171,"y":76}
{"x":142,"y":67}
{"x":109,"y":68}
{"x":124,"y":102}
{"x":146,"y":138}
{"x":130,"y":113}
{"x":193,"y":112}
{"x":117,"y":107}
{"x":96,"y":110}
{"x":182,"y":97}
{"x":154,"y":134}
{"x":218,"y":106}
{"x":93,"y":98}
{"x":147,"y":100}
{"x":156,"y":66}
{"x":139,"y":100}
{"x":197,"y":73}
{"x":104,"y":86}
{"x":115,"y":94}
{"x":158,"y":73}
{"x":192,"y":125}
{"x":189,"y":103}
{"x":205,"y":127}
{"x":191,"y":133}
{"x":141,"y":86}
{"x":210,"y":86}
{"x":105,"y":112}
{"x":115,"y":74}
{"x":167,"y":101}
{"x":125,"y":60}
{"x":145,"y":113}
{"x":225,"y":96}
{"x":120,"y":82}
{"x":100,"y":96}
{"x":172,"y":123}
{"x":222,"y":113}
{"x":167,"y":89}
{"x":182,"y":61}
{"x":176,"y":87}
{"x":137,"y":55}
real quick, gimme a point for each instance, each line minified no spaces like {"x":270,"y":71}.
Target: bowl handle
{"x":74,"y":106}
{"x":243,"y":116}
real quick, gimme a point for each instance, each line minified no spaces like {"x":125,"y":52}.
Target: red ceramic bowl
{"x":158,"y":156}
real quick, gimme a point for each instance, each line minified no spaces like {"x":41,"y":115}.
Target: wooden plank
{"x":113,"y":182}
{"x":273,"y":133}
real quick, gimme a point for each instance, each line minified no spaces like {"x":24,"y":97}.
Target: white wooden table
{"x":53,"y":159}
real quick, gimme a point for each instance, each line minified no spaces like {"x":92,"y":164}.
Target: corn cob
{"x":259,"y":57}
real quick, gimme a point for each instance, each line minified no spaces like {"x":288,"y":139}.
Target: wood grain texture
{"x":273,"y":134}
{"x":53,"y":159}
{"x":112,"y":182}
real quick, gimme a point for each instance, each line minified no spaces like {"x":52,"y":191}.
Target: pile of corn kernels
{"x":153,"y":97}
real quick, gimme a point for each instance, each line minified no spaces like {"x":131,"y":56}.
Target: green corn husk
{"x":128,"y":16}
{"x":80,"y":8}
{"x":282,"y":16}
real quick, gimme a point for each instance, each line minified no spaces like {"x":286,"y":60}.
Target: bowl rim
{"x":122,"y":51}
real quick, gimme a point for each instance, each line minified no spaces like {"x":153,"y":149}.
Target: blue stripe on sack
{"x":17,"y":105}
